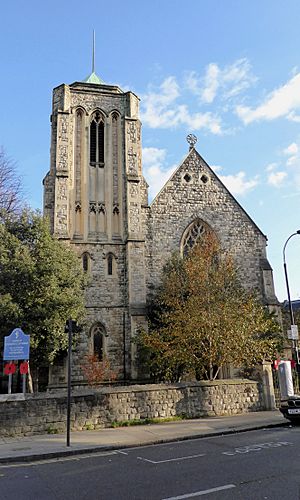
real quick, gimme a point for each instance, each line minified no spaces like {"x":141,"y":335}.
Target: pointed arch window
{"x":98,"y":335}
{"x":110,"y":264}
{"x":85,"y":262}
{"x":192,"y":235}
{"x":78,"y":137}
{"x":97,"y":139}
{"x":115,"y":157}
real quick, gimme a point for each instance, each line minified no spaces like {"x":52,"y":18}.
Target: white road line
{"x":202,"y":492}
{"x":171,"y":459}
{"x":121,"y":452}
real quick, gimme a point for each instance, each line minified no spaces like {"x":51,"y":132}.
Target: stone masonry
{"x":96,"y":198}
{"x":46,"y":413}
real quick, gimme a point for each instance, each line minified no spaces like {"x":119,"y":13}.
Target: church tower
{"x":96,"y":198}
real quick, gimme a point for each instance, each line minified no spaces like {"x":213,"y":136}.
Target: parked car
{"x":290,"y":408}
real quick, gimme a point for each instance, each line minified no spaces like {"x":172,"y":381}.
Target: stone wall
{"x":46,"y":413}
{"x":195,"y":192}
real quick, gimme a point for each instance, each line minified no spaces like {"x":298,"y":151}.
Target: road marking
{"x":121,"y":452}
{"x":256,"y":447}
{"x":202,"y":492}
{"x":171,"y":459}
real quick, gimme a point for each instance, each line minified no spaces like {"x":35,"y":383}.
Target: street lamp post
{"x":292,"y":321}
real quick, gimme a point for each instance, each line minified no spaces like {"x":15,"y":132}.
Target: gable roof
{"x":191,"y":152}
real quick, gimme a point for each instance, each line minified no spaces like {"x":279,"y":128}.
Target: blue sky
{"x":227,"y":71}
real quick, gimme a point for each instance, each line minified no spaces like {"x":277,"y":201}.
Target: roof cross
{"x":191,"y":139}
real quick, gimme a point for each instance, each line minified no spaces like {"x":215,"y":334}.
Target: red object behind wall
{"x":24,"y":368}
{"x":9,"y":369}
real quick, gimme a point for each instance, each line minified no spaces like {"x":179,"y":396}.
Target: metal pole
{"x":9,"y":383}
{"x":124,"y":347}
{"x":288,"y":294}
{"x":24,"y":383}
{"x":294,"y":342}
{"x":94,"y":49}
{"x":24,"y":379}
{"x":69,"y":381}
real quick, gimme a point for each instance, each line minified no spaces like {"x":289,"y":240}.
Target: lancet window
{"x":115,"y":156}
{"x":97,"y":139}
{"x":79,"y":116}
{"x":85,"y":262}
{"x":98,"y":335}
{"x":110,"y":260}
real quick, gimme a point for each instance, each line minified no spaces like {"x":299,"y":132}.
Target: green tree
{"x":203,"y":319}
{"x":41,"y":285}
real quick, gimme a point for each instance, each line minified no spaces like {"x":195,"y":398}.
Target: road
{"x":253,"y":465}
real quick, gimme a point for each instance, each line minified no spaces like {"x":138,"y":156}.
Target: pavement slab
{"x":39,"y":447}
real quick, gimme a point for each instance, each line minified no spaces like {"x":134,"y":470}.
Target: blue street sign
{"x":16,"y":345}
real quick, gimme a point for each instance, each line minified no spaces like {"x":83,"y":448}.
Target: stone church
{"x":96,"y":198}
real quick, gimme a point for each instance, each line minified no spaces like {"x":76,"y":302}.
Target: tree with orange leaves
{"x":97,"y":371}
{"x":203,"y":319}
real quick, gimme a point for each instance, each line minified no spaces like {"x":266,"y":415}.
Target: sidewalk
{"x":22,"y":449}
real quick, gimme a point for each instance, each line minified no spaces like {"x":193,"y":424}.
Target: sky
{"x":227,"y":71}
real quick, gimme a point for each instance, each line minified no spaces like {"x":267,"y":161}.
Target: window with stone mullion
{"x":96,"y":141}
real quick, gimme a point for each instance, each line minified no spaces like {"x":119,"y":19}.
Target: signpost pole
{"x":24,"y":383}
{"x":9,"y":383}
{"x":69,"y":380}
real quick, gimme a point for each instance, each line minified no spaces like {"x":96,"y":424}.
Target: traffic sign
{"x":294,"y":331}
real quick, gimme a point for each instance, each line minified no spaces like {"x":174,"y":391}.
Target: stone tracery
{"x":193,"y":234}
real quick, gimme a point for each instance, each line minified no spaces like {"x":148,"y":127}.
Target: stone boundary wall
{"x":94,"y":409}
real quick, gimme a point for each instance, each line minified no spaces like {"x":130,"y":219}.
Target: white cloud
{"x":282,"y":102}
{"x":170,"y":104}
{"x":230,"y":81}
{"x":289,"y":170}
{"x":155,"y":171}
{"x":292,"y":160}
{"x":155,"y":112}
{"x":153,"y":155}
{"x":293,"y":117}
{"x":211,"y":83}
{"x":160,"y":109}
{"x":216,"y":168}
{"x":293,"y":163}
{"x":198,"y":121}
{"x":237,"y":77}
{"x":271,"y":166}
{"x":276,"y":178}
{"x":237,"y":184}
{"x":292,"y":149}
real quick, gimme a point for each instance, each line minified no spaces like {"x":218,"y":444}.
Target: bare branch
{"x":10,"y":185}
